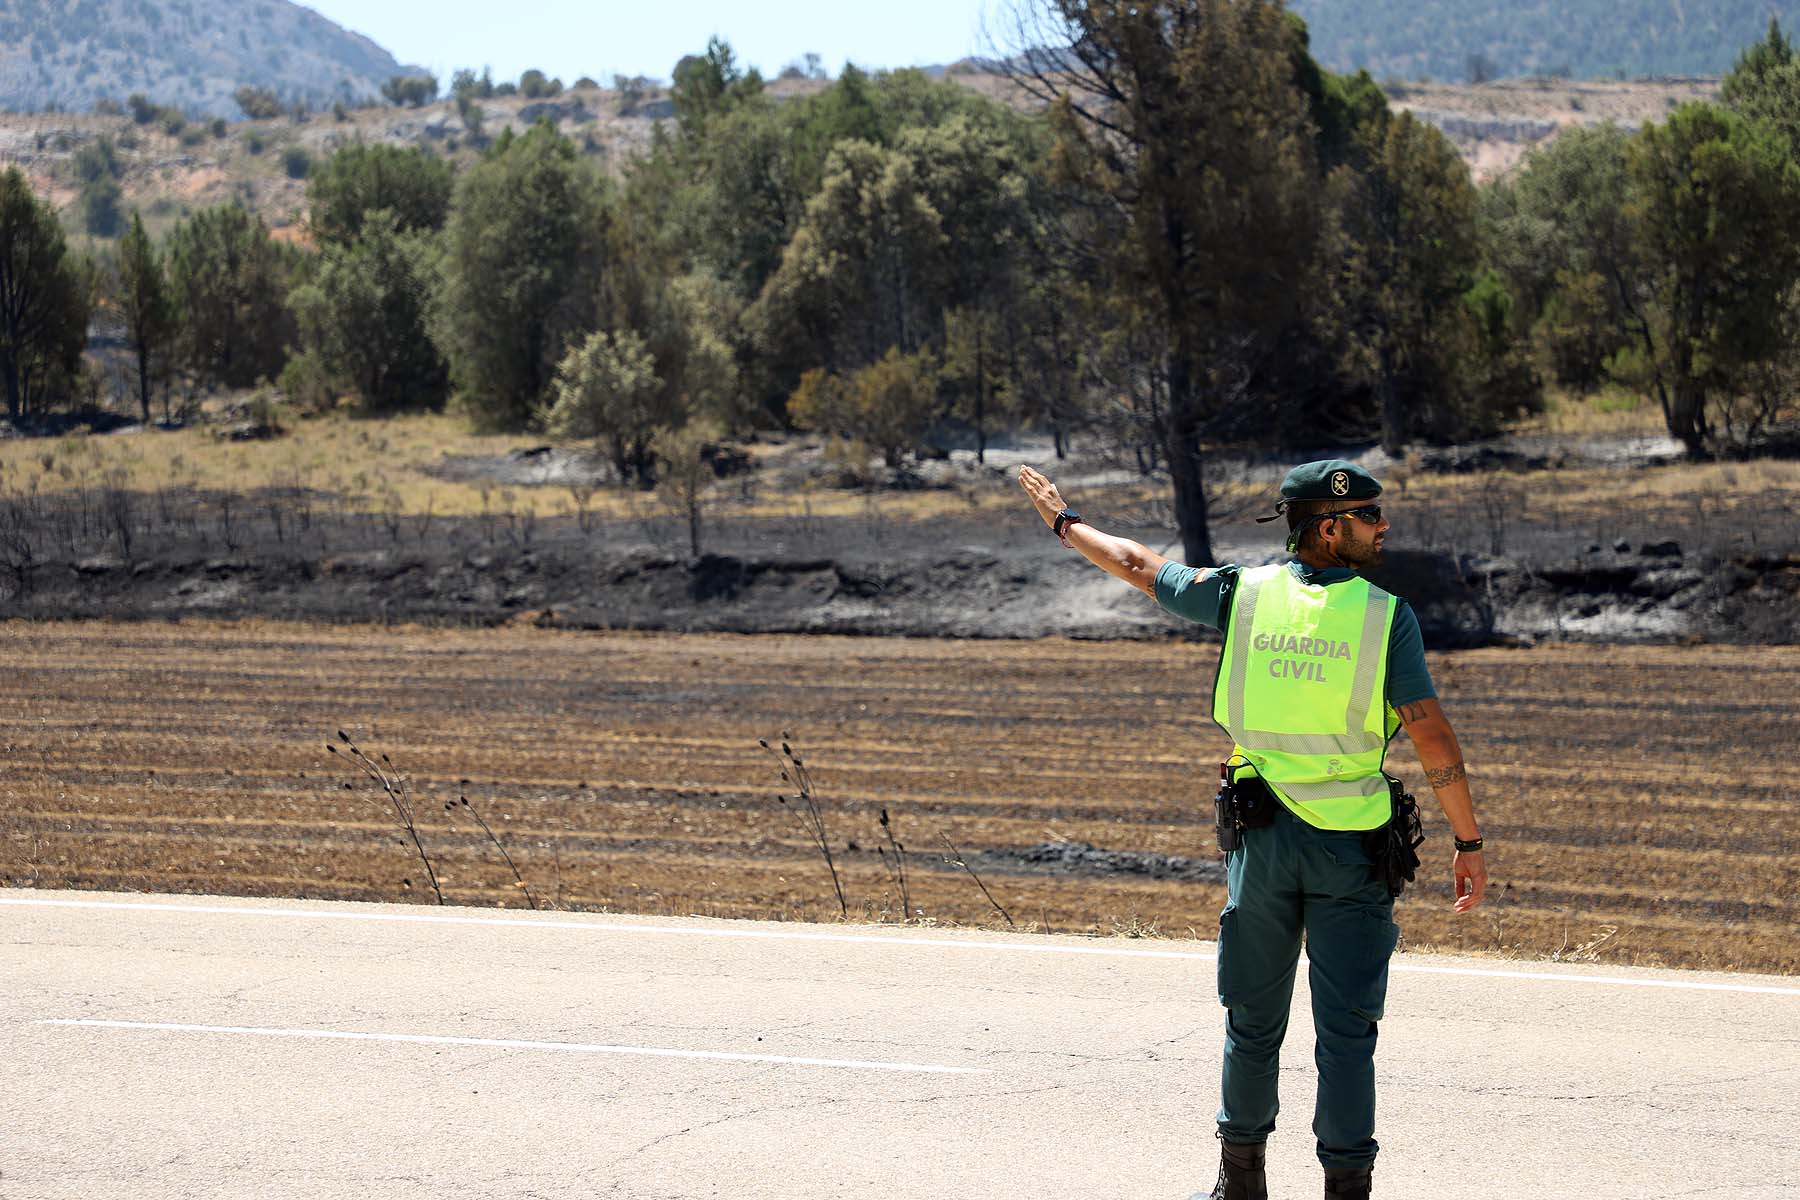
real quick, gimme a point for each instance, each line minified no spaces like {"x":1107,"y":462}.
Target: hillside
{"x":1582,"y":39}
{"x":191,"y":54}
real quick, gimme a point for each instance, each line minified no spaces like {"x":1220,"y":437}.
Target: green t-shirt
{"x":1180,"y":590}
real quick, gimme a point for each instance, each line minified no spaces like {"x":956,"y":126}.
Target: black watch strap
{"x":1064,"y":519}
{"x":1468,"y":847}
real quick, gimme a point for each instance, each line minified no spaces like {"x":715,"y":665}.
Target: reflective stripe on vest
{"x":1302,"y":690}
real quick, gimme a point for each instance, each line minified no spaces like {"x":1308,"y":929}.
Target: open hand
{"x":1043,"y":494}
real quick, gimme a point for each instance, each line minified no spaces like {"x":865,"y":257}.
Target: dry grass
{"x":386,"y":467}
{"x":386,"y":464}
{"x":1629,"y":788}
{"x":378,"y":461}
{"x":1613,"y":412}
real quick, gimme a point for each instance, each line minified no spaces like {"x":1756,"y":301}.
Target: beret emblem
{"x":1340,"y":483}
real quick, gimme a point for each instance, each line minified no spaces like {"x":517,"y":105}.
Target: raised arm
{"x":1442,"y":759}
{"x":1135,"y":564}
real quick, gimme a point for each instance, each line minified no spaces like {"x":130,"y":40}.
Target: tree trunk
{"x":143,"y":357}
{"x":1186,"y":467}
{"x":15,"y":403}
{"x":1188,"y":477}
{"x":1393,"y":412}
{"x":980,"y":397}
{"x":1687,"y":417}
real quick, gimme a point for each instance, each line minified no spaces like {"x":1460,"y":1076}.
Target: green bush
{"x":101,"y":210}
{"x":307,"y":384}
{"x":296,"y":162}
{"x":257,"y":103}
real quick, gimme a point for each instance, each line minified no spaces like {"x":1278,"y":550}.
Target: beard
{"x":1360,"y":551}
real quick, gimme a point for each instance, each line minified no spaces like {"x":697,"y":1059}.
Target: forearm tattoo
{"x":1411,"y":713}
{"x":1443,"y":777}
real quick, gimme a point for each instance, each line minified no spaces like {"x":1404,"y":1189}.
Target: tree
{"x":632,"y":91}
{"x":1559,"y":236}
{"x":363,"y":314}
{"x":44,"y":299}
{"x":1183,"y":122}
{"x":257,"y":103}
{"x":414,"y":186}
{"x":410,"y":91}
{"x":535,"y":85}
{"x":230,"y":284}
{"x":141,"y":289}
{"x":686,"y":475}
{"x":732,"y":198}
{"x":607,"y":391}
{"x":1764,"y":85}
{"x":102,"y":206}
{"x":522,"y":259}
{"x":703,"y":85}
{"x":865,"y":271}
{"x":471,"y":114}
{"x":465,"y":83}
{"x":97,"y":167}
{"x":1408,"y":252}
{"x":976,"y":183}
{"x":1710,"y":210}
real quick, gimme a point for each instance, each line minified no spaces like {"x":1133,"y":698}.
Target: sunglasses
{"x":1367,"y":512}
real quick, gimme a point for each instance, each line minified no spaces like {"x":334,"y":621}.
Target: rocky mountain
{"x":189,"y":54}
{"x":1473,"y":40}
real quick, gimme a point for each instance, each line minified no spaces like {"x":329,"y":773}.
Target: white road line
{"x":516,"y":1044}
{"x":1399,"y":967}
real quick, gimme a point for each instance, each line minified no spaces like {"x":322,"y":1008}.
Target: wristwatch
{"x":1467,"y":847}
{"x":1064,"y":519}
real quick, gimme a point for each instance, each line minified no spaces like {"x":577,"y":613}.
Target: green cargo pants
{"x":1287,"y":879}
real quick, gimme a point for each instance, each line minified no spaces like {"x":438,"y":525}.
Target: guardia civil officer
{"x":1320,"y":669}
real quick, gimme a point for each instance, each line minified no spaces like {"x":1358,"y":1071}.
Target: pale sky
{"x":569,"y":38}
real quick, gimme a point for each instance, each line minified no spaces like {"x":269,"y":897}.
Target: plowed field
{"x":1640,"y":803}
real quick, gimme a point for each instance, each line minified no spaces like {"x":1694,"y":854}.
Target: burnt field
{"x":1638,"y":801}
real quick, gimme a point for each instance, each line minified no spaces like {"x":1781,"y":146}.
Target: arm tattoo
{"x":1409,"y":713}
{"x":1443,"y":777}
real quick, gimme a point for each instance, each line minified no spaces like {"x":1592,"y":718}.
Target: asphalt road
{"x":197,"y":1047}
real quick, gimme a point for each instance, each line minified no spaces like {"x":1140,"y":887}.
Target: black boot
{"x":1240,"y":1172}
{"x":1347,"y":1183}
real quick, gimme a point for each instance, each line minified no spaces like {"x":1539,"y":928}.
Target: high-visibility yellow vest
{"x":1302,"y":690}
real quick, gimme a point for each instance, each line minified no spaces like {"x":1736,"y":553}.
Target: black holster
{"x":1393,"y":848}
{"x":1244,"y":802}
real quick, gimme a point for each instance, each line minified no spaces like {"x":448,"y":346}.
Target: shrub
{"x":101,"y":214}
{"x":257,"y":103}
{"x":534,"y":85}
{"x":296,"y":162}
{"x":886,"y":406}
{"x":306,"y":383}
{"x":410,"y":91}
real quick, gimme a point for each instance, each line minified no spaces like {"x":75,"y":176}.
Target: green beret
{"x":1329,"y":479}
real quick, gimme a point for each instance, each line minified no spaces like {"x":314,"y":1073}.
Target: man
{"x":1310,"y":646}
